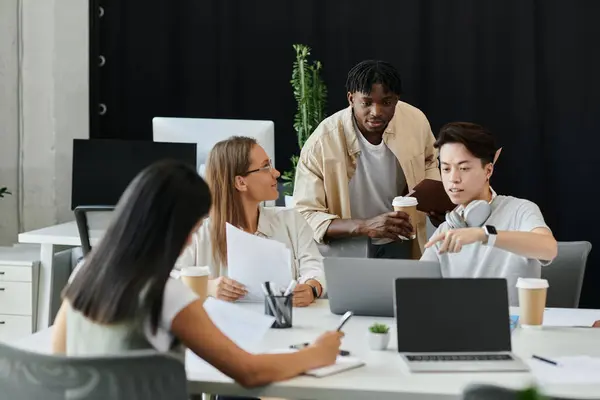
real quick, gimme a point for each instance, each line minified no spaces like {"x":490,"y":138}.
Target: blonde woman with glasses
{"x":241,"y":177}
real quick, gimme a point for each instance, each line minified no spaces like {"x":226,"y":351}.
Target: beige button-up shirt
{"x":277,"y":223}
{"x":328,"y":162}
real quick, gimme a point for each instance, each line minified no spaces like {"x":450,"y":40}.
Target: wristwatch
{"x":315,"y":291}
{"x":491,"y":233}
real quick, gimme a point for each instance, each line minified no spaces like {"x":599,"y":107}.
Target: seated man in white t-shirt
{"x":487,"y":235}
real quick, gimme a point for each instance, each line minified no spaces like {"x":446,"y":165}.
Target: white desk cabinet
{"x":19,"y":276}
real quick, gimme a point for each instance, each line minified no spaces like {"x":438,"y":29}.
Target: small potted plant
{"x":379,"y":336}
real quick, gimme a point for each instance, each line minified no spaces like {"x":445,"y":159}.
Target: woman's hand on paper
{"x":227,"y":289}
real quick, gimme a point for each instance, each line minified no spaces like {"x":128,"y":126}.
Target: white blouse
{"x":86,"y":337}
{"x":285,"y":225}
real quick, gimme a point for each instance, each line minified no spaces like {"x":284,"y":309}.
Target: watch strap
{"x":314,"y":291}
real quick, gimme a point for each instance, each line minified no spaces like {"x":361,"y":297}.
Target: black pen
{"x":544,"y":360}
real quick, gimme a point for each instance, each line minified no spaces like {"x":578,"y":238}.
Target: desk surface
{"x":385,"y":376}
{"x":67,"y":234}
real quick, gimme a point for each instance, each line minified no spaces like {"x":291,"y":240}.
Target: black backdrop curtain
{"x":528,"y":70}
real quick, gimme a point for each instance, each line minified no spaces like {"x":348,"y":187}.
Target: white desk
{"x":51,"y":279}
{"x":385,"y":375}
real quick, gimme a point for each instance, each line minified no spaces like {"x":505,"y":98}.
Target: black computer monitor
{"x":102,"y":168}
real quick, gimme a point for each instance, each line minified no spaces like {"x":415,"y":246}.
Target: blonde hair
{"x":227,"y":159}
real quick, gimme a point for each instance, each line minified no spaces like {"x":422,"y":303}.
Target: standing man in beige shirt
{"x":360,"y":158}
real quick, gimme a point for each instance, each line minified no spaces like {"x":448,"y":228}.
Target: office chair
{"x":82,"y":224}
{"x":565,"y":274}
{"x":492,"y":392}
{"x":134,"y":375}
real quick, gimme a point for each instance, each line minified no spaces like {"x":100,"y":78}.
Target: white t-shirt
{"x":480,"y":261}
{"x":377,"y":180}
{"x":86,"y":337}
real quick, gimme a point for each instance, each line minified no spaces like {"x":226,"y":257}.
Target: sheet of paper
{"x":570,"y":317}
{"x":253,"y":260}
{"x":570,"y":370}
{"x":244,"y":327}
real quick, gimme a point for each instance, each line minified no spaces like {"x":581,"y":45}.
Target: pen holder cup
{"x":279,"y":307}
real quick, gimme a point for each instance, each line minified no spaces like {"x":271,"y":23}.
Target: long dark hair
{"x":125,"y":274}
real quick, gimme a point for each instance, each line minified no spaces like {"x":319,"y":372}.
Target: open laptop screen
{"x":452,"y":315}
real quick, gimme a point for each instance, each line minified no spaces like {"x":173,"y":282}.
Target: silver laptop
{"x":365,"y":286}
{"x":455,"y":325}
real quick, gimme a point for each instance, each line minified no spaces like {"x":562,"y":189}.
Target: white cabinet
{"x":19,"y":277}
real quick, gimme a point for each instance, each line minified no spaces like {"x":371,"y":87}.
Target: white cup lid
{"x":402,"y":201}
{"x":532,"y":283}
{"x":195,"y":271}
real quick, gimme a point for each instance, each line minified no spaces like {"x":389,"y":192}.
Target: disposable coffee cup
{"x":532,"y":301}
{"x":196,"y":278}
{"x":409,"y":206}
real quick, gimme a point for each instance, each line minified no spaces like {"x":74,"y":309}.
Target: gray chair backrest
{"x":491,"y":392}
{"x":81,"y":219}
{"x":565,"y":274}
{"x":357,"y":247}
{"x":139,"y":375}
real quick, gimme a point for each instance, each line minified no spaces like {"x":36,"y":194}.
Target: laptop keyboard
{"x":466,"y":357}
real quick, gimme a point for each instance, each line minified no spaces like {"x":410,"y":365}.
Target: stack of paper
{"x":570,"y":370}
{"x":253,"y":260}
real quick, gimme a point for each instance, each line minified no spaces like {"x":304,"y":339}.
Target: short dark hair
{"x":477,"y":139}
{"x":124,"y":276}
{"x":369,"y":72}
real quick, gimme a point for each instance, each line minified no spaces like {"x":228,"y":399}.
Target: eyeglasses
{"x":268,"y":167}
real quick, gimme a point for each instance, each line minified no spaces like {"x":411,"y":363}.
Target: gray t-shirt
{"x":377,"y":180}
{"x":480,"y":261}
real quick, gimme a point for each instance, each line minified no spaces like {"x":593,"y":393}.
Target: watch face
{"x":491,"y":230}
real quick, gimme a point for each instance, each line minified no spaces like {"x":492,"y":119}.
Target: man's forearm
{"x":342,"y":228}
{"x":528,"y":244}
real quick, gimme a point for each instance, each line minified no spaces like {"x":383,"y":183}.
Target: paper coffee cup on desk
{"x":532,"y":301}
{"x":196,"y":278}
{"x":409,"y":206}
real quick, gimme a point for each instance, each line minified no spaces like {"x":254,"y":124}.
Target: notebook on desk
{"x":342,"y":363}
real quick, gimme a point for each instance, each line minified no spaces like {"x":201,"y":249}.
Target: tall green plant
{"x":311,"y":97}
{"x":3,"y":192}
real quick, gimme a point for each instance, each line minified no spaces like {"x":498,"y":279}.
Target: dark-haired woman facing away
{"x":123,"y":298}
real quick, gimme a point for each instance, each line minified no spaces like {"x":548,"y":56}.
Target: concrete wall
{"x":8,"y":118}
{"x":53,"y":108}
